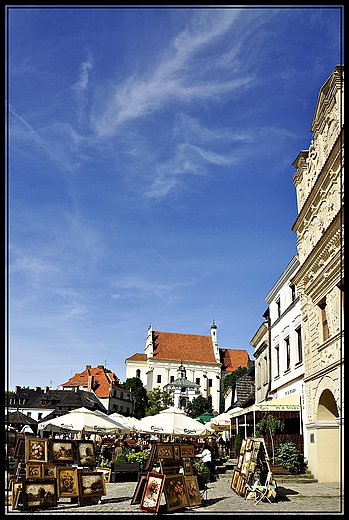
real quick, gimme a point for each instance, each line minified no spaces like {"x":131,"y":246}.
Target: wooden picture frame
{"x":175,"y":492}
{"x":19,"y":452}
{"x":137,"y":495}
{"x":239,"y":463}
{"x":193,"y":491}
{"x":62,"y":450}
{"x":170,"y":469}
{"x":91,"y":484}
{"x":242,"y":447}
{"x":85,"y":451}
{"x":188,"y":469}
{"x":39,"y":493}
{"x":67,"y":481}
{"x":151,"y":458}
{"x":106,"y":472}
{"x":49,"y":470}
{"x":176,"y":452}
{"x":164,"y":451}
{"x":187,"y":450}
{"x":234,"y":480}
{"x":17,"y":499}
{"x":152,"y":493}
{"x":36,"y":449}
{"x":33,"y":470}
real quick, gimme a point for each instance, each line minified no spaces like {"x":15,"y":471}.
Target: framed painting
{"x":164,"y":451}
{"x":39,"y":493}
{"x":170,"y":469}
{"x":61,"y":451}
{"x":33,"y":470}
{"x":193,"y":492}
{"x":20,"y":447}
{"x":176,"y":452}
{"x":152,"y":493}
{"x":235,"y":479}
{"x":243,"y":447}
{"x":249,"y":442}
{"x":151,"y":459}
{"x":175,"y":492}
{"x":137,"y":495}
{"x":106,"y":472}
{"x":17,"y":500}
{"x":85,"y":451}
{"x":48,"y":470}
{"x":188,"y":467}
{"x":91,"y":484}
{"x":187,"y":450}
{"x":67,"y":481}
{"x":36,"y":449}
{"x":240,"y":459}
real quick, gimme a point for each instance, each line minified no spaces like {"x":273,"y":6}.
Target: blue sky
{"x":150,"y":173}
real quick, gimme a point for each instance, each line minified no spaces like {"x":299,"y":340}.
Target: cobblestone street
{"x":294,"y":498}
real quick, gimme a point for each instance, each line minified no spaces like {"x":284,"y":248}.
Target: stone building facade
{"x":319,"y":183}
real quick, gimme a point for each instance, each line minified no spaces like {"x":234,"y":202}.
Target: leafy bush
{"x":128,"y":456}
{"x":287,"y":455}
{"x":200,"y":466}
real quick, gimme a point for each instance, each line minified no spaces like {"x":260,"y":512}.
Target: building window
{"x":210,"y":383}
{"x":325,"y":329}
{"x":121,"y":395}
{"x":277,"y":360}
{"x":293,"y":292}
{"x":197,"y":380}
{"x":278,"y":308}
{"x":171,"y":379}
{"x":288,"y":353}
{"x":138,"y":373}
{"x":299,"y":344}
{"x":39,"y":416}
{"x":158,"y":379}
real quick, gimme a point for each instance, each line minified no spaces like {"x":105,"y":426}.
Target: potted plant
{"x":201,"y":470}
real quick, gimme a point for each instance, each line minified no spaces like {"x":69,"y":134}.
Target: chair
{"x":204,"y":488}
{"x":261,"y":491}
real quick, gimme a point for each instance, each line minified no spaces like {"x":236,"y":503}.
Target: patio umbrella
{"x":204,"y":417}
{"x":129,"y":422}
{"x":85,"y":421}
{"x":172,"y":421}
{"x":221,"y":422}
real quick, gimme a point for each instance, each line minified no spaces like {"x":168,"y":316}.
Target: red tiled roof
{"x":232,"y":359}
{"x":137,"y":357}
{"x":101,"y":382}
{"x":183,"y":347}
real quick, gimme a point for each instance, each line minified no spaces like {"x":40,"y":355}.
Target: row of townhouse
{"x":298,"y":348}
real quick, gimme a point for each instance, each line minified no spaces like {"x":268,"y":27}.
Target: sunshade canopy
{"x":84,"y":420}
{"x":172,"y":421}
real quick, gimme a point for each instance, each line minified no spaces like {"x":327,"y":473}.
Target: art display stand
{"x":170,"y":474}
{"x":252,"y":465}
{"x":49,"y":469}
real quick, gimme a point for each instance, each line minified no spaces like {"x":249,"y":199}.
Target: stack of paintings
{"x":253,"y":459}
{"x":175,"y":479}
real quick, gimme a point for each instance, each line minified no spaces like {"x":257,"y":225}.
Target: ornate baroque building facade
{"x":319,"y":183}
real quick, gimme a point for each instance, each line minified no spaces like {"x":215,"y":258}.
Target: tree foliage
{"x":198,"y":406}
{"x":158,"y":400}
{"x":136,"y":386}
{"x":230,"y":379}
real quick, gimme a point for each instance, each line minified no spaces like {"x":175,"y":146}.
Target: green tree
{"x":136,"y":386}
{"x":198,"y":406}
{"x":269,"y":424}
{"x":158,"y":400}
{"x":230,"y":379}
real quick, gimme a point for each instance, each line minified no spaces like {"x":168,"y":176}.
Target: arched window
{"x":138,"y":373}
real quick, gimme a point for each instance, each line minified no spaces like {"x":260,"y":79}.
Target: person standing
{"x":206,"y":456}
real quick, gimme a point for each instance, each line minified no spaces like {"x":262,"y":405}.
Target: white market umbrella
{"x":129,"y":422}
{"x":83,"y":420}
{"x":172,"y":421}
{"x":221,"y":422}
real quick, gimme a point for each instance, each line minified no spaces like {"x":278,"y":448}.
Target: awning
{"x":289,"y":403}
